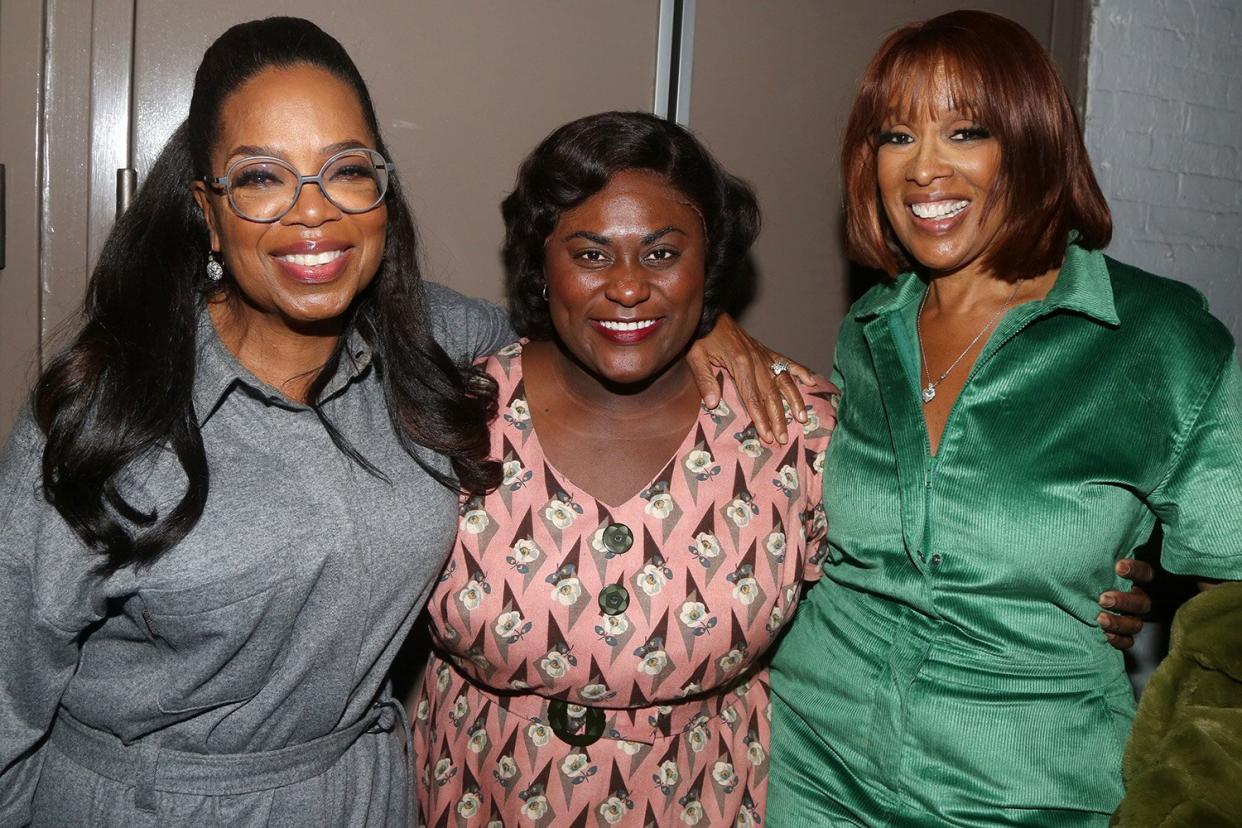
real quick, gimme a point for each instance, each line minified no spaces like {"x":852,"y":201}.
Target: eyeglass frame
{"x":222,"y":181}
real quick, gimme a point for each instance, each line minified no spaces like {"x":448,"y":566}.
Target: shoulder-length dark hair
{"x":124,"y":387}
{"x":999,"y":73}
{"x":577,"y":160}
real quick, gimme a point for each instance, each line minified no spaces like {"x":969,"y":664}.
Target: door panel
{"x":463,"y":91}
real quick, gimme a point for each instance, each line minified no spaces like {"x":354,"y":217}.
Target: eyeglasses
{"x":264,"y":189}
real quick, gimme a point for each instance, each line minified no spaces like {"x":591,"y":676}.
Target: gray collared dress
{"x":242,"y":679}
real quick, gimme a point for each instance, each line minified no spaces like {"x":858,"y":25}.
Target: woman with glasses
{"x":234,"y":490}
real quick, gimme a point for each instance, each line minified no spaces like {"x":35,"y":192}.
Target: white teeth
{"x":627,"y":326}
{"x":312,"y":259}
{"x":938,"y":209}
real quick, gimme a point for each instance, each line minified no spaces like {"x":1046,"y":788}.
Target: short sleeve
{"x":1199,"y":503}
{"x":821,"y":399}
{"x":467,"y":328}
{"x":37,"y":656}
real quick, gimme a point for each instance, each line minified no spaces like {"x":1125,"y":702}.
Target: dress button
{"x":618,"y":538}
{"x":935,"y":559}
{"x":614,"y":599}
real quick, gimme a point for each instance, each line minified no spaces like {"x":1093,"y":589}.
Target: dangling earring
{"x":545,"y":291}
{"x":215,"y":270}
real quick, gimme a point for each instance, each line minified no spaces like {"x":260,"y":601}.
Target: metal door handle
{"x":126,"y":183}
{"x":3,"y":228}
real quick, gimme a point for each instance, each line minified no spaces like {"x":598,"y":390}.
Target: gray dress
{"x":241,"y":680}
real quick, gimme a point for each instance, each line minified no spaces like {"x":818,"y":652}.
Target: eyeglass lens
{"x":264,"y":189}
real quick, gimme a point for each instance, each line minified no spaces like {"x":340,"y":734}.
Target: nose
{"x":628,"y":287}
{"x":312,"y":207}
{"x":928,"y":164}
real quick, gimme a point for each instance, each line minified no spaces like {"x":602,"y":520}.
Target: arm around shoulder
{"x":467,"y":328}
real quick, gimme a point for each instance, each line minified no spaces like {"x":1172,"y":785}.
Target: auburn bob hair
{"x":996,"y":71}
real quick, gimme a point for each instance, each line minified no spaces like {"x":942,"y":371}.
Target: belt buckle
{"x":558,"y":719}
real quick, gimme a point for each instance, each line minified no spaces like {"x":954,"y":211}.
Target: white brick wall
{"x":1164,"y":129}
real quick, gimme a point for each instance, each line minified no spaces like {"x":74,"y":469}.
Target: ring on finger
{"x":779,"y":366}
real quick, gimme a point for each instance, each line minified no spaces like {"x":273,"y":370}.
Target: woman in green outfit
{"x":1017,"y":412}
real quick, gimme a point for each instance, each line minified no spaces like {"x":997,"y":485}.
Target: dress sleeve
{"x":1199,"y":503}
{"x":821,"y":401}
{"x":37,"y":656}
{"x":467,"y":328}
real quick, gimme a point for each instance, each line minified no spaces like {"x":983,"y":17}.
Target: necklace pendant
{"x":929,"y":393}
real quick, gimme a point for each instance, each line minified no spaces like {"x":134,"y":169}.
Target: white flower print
{"x":744,"y":820}
{"x":525,"y":551}
{"x":730,"y":660}
{"x":506,"y":768}
{"x":699,"y":462}
{"x":512,"y":468}
{"x":693,"y":613}
{"x":755,"y":753}
{"x":660,"y":505}
{"x":697,"y":738}
{"x":812,"y":422}
{"x":554,"y":664}
{"x":444,"y":770}
{"x":746,"y":591}
{"x":776,"y":545}
{"x":818,"y":463}
{"x":690,"y":689}
{"x":535,"y":807}
{"x":478,"y":741}
{"x":723,"y":773}
{"x":468,"y":805}
{"x":518,"y":684}
{"x":593,"y":692}
{"x":575,"y":711}
{"x":559,"y":512}
{"x":538,"y":733}
{"x":471,"y":594}
{"x":519,"y":410}
{"x":653,"y":663}
{"x":475,"y":521}
{"x":651,"y":579}
{"x":510,"y":350}
{"x":664,"y":709}
{"x":692,"y":814}
{"x":461,"y":707}
{"x":706,"y":545}
{"x":615,"y":625}
{"x":508,"y":624}
{"x":442,"y":680}
{"x":751,"y":447}
{"x":613,"y":810}
{"x":667,"y":774}
{"x":495,"y":823}
{"x":567,"y":591}
{"x":575,"y":765}
{"x":721,"y":410}
{"x":776,"y":619}
{"x":739,"y":512}
{"x":629,"y":748}
{"x":728,"y":715}
{"x":787,"y":479}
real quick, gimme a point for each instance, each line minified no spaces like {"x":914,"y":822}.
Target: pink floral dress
{"x":605,"y":665}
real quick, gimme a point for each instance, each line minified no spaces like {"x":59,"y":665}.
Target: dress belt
{"x":149,"y":767}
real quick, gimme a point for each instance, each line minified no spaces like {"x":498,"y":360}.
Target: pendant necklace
{"x":929,"y":391}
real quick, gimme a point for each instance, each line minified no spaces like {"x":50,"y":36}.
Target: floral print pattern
{"x":721,"y":540}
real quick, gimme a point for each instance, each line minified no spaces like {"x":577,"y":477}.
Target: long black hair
{"x":577,"y":160}
{"x":123,"y":389}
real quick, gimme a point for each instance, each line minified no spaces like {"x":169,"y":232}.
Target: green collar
{"x":1083,"y":285}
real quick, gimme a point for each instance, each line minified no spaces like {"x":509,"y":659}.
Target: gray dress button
{"x":618,"y":538}
{"x":614,"y":599}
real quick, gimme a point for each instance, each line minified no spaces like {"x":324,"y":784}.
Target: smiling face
{"x":307,"y":267}
{"x":625,"y":273}
{"x":937,"y":171}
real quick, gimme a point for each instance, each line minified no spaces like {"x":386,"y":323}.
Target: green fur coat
{"x":1183,"y":763}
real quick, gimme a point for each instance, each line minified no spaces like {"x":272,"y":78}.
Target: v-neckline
{"x":567,"y":482}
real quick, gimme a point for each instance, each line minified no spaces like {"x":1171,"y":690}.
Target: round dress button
{"x":613,"y":599}
{"x":618,"y":538}
{"x":936,"y":559}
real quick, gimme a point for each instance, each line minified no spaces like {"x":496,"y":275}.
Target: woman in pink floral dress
{"x":602,"y":625}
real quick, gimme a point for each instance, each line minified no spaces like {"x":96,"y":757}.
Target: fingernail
{"x":1108,"y":601}
{"x":1104,"y":620}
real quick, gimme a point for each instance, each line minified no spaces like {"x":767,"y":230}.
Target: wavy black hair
{"x":577,"y":160}
{"x":123,"y":388}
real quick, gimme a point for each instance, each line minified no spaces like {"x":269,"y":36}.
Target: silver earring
{"x":545,"y":291}
{"x":215,"y":270}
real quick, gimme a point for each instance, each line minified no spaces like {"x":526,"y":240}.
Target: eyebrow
{"x":647,"y":239}
{"x":244,"y":150}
